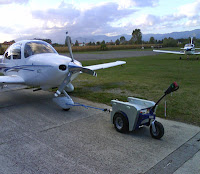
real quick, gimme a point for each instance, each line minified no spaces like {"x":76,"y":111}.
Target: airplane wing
{"x":14,"y":79}
{"x":105,"y":65}
{"x":172,"y":52}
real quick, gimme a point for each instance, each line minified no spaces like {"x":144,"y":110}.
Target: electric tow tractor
{"x":129,"y":116}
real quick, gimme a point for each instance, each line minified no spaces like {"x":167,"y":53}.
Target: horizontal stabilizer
{"x":172,"y":52}
{"x":196,"y":53}
{"x":11,"y":80}
{"x":105,"y":65}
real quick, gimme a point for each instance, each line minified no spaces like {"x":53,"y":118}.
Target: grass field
{"x":98,"y":47}
{"x":147,"y":77}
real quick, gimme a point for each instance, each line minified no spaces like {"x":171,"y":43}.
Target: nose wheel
{"x":156,"y":130}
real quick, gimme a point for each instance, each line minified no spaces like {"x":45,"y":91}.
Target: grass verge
{"x":147,"y":77}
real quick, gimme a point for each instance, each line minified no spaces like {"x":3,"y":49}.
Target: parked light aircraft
{"x":189,"y":49}
{"x":36,"y":63}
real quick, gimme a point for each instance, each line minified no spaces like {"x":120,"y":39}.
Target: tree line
{"x":137,"y":39}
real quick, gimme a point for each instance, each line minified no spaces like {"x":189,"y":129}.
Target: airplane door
{"x":16,"y":53}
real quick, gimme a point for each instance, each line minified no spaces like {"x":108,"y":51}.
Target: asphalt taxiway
{"x":36,"y":136}
{"x":100,"y":55}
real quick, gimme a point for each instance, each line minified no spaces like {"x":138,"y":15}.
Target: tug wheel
{"x":66,"y":109}
{"x":159,"y":130}
{"x":120,"y":122}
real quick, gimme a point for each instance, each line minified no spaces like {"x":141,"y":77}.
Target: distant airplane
{"x":189,"y":49}
{"x":36,"y":63}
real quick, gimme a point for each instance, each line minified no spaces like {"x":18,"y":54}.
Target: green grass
{"x":147,"y":77}
{"x":170,"y":48}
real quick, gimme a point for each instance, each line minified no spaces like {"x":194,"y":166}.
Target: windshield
{"x":188,"y":45}
{"x":37,"y":47}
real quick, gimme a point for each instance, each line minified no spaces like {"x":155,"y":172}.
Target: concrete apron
{"x":36,"y":136}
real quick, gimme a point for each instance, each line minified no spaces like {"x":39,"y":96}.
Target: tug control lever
{"x":173,"y":87}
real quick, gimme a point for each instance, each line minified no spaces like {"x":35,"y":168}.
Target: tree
{"x":76,"y":43}
{"x":103,"y":46}
{"x":122,"y":39}
{"x":151,"y":40}
{"x":90,"y":43}
{"x":137,"y":36}
{"x":98,"y":43}
{"x":169,"y":42}
{"x":117,"y":42}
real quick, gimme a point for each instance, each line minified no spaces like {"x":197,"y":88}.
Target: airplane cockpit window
{"x":188,"y":45}
{"x":16,"y":51}
{"x":37,"y":47}
{"x":8,"y":53}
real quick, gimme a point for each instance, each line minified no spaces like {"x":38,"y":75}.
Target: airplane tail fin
{"x":191,"y":40}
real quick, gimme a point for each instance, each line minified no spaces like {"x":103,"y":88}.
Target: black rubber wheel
{"x":159,"y":130}
{"x":66,"y":109}
{"x":120,"y":122}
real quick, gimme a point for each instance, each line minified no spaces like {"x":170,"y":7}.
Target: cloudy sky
{"x":82,"y":18}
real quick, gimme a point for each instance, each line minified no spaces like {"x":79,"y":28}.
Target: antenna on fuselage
{"x":68,"y":43}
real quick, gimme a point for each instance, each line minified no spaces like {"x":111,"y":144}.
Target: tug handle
{"x":173,"y":87}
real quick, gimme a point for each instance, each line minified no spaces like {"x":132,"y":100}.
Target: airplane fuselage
{"x":46,"y":70}
{"x":36,"y":63}
{"x":189,"y":49}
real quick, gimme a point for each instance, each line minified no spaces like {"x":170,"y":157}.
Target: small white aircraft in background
{"x":36,"y":63}
{"x":189,"y":49}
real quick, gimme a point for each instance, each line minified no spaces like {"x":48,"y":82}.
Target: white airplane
{"x":36,"y":63}
{"x":189,"y":49}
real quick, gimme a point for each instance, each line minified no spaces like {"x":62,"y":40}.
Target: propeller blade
{"x":67,"y":41}
{"x":75,"y":68}
{"x":89,"y":71}
{"x":63,"y":84}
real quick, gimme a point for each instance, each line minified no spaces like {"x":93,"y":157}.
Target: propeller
{"x":72,"y":69}
{"x":68,"y":42}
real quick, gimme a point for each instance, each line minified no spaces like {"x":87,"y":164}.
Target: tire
{"x":66,"y":109}
{"x":121,"y":122}
{"x":159,"y":130}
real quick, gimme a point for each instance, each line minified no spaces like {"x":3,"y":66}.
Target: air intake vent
{"x":63,"y":67}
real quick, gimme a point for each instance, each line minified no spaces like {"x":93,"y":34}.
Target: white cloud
{"x":136,"y":3}
{"x":189,"y":10}
{"x":110,"y":17}
{"x":4,"y":2}
{"x":95,"y":20}
{"x":147,"y":20}
{"x":145,"y":3}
